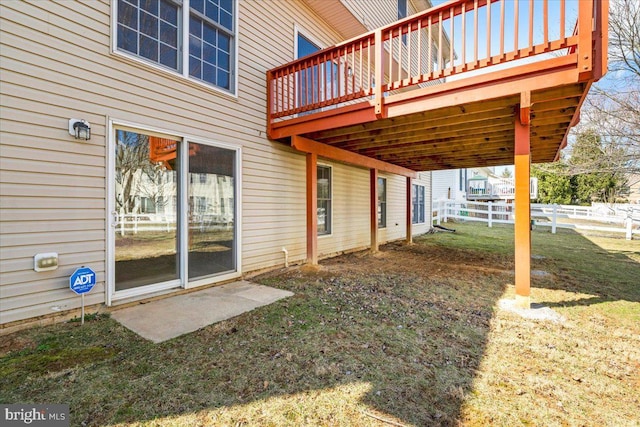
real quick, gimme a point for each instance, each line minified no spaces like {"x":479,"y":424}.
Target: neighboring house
{"x":633,"y":181}
{"x":452,"y":184}
{"x":449,"y":184}
{"x":475,"y":184}
{"x":178,"y":186}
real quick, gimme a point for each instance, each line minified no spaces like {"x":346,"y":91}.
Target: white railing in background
{"x":497,"y":188}
{"x":615,"y":218}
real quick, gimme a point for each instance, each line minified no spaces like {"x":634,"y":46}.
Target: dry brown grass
{"x":409,"y":336}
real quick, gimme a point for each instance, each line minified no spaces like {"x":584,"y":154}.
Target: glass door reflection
{"x":212,"y":209}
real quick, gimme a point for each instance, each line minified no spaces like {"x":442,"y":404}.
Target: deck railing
{"x":498,"y":188}
{"x":454,"y":38}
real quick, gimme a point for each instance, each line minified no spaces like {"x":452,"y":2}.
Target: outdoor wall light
{"x":80,"y":129}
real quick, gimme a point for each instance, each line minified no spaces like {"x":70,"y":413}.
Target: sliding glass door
{"x":173,"y":212}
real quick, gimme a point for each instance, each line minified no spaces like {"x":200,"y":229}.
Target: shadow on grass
{"x":411,"y":323}
{"x":394,"y":321}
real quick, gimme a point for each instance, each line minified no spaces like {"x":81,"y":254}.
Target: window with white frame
{"x":417,"y":193}
{"x":205,"y":50}
{"x":382,"y":202}
{"x":324,"y":199}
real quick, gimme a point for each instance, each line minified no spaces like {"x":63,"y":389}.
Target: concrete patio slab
{"x":171,"y":317}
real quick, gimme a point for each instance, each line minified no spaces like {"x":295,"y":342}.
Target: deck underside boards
{"x":465,"y":135}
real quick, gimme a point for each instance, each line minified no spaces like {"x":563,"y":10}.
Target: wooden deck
{"x":440,"y":113}
{"x":402,"y":99}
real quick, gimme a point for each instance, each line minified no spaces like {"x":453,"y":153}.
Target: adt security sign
{"x":82,"y":280}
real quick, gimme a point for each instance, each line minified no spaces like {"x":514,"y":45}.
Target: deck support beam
{"x":522,"y":163}
{"x":409,"y":205}
{"x":373,"y":214}
{"x":312,"y":208}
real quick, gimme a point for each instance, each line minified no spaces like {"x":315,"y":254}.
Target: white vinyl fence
{"x":623,"y":219}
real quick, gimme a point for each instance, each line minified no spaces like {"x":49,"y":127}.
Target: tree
{"x":613,"y":104}
{"x":554,"y":184}
{"x":593,"y":166}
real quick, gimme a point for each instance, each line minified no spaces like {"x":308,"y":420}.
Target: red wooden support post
{"x":409,"y":218}
{"x":522,"y":163}
{"x":373,"y":186}
{"x":312,"y":208}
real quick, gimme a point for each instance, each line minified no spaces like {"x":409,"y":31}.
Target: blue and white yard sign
{"x":82,"y":280}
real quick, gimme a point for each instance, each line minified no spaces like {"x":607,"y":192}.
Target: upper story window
{"x":201,"y":47}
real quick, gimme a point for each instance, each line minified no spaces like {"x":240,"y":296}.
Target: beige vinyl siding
{"x":53,"y":188}
{"x":349,"y":210}
{"x":55,"y":67}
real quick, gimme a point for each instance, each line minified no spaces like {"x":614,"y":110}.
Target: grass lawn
{"x":410,"y":336}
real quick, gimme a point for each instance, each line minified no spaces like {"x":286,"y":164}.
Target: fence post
{"x":554,"y":218}
{"x":490,"y":214}
{"x":629,"y":224}
{"x":440,"y":212}
{"x":446,"y":211}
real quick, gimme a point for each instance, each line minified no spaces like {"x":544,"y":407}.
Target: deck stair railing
{"x":448,"y":40}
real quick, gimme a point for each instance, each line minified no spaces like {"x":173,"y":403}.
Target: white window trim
{"x":331,"y":175}
{"x":183,"y":281}
{"x":184,"y":75}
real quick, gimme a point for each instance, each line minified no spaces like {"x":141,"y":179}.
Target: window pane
{"x":208,"y":73}
{"x":195,"y":67}
{"x":195,"y":47}
{"x":324,"y":199}
{"x":382,"y":202}
{"x":212,"y":233}
{"x":168,"y":34}
{"x":223,"y":79}
{"x":150,"y":6}
{"x":127,"y":14}
{"x":149,"y":25}
{"x":146,"y":244}
{"x":127,"y":39}
{"x":168,"y":56}
{"x":169,"y":12}
{"x":148,"y":48}
{"x":227,"y":5}
{"x":226,"y":20}
{"x":209,"y":53}
{"x":197,"y":5}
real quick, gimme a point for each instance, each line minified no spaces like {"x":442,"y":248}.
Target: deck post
{"x":522,"y":163}
{"x":409,"y":239}
{"x":312,"y":208}
{"x":373,"y":187}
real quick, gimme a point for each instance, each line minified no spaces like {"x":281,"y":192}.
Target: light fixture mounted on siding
{"x":80,"y":129}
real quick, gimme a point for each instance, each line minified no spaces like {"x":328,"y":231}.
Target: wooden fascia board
{"x":574,"y":120}
{"x":307,"y":145}
{"x":479,"y":88}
